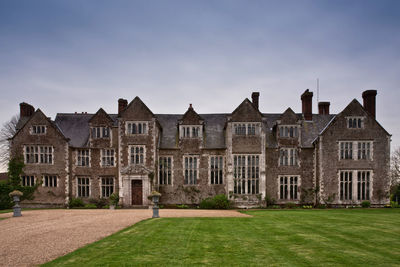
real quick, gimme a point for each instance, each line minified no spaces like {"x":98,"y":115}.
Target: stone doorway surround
{"x":135,"y":172}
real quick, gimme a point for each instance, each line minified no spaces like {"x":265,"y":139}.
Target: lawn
{"x":6,"y":211}
{"x":358,"y":237}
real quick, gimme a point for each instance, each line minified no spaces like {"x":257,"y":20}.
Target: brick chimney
{"x":122,"y":104}
{"x":254,"y":98}
{"x":323,"y":108}
{"x":306,"y":99}
{"x":369,"y":97}
{"x":26,"y":110}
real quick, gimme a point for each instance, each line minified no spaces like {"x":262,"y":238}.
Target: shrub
{"x":76,"y":203}
{"x":90,"y":206}
{"x":106,"y":207}
{"x":276,"y":207}
{"x":15,"y":167}
{"x":321,"y":206}
{"x":222,"y":202}
{"x":394,"y":204}
{"x":114,"y":199}
{"x":183,"y":206}
{"x":307,"y":207}
{"x":99,"y":202}
{"x":366,"y":204}
{"x":207,"y":203}
{"x":5,"y":200}
{"x":217,"y":202}
{"x":270,"y":201}
{"x":290,"y":205}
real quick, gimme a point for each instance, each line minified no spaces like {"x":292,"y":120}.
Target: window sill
{"x":34,"y":164}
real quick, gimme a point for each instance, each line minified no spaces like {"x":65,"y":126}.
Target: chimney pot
{"x":26,"y":110}
{"x":323,"y":108}
{"x":369,"y":97}
{"x":122,"y":105}
{"x":255,"y":97}
{"x":306,"y":99}
{"x":190,"y":106}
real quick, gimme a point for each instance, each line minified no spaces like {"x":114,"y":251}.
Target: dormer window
{"x":246,"y":128}
{"x":136,"y":128}
{"x":290,"y":131}
{"x":190,"y":131}
{"x":355,"y":122}
{"x":38,"y":129}
{"x":100,"y":132}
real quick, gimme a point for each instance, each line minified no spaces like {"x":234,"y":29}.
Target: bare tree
{"x":395,"y":167}
{"x":7,"y":131}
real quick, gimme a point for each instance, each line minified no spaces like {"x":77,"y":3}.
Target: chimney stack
{"x":323,"y":108}
{"x":26,"y":110}
{"x":369,"y":97}
{"x":254,"y":98}
{"x":122,"y":104}
{"x":306,"y":99}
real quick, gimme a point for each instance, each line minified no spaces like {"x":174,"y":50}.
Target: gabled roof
{"x":191,"y":117}
{"x":246,"y":104}
{"x":214,"y":136}
{"x":353,"y":102}
{"x":137,"y":101}
{"x":99,"y":113}
{"x":289,"y":116}
{"x":38,"y":111}
{"x":332,"y":121}
{"x":76,"y":126}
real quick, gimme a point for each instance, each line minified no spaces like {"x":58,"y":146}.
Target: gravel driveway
{"x":43,"y":235}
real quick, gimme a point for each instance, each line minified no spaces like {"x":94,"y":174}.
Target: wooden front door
{"x":137,"y":192}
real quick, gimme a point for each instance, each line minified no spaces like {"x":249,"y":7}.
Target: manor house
{"x":339,"y":159}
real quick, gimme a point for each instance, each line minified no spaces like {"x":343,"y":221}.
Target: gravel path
{"x":43,"y":235}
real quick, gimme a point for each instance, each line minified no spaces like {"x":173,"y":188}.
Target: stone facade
{"x":248,"y":155}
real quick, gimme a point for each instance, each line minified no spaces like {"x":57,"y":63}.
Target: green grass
{"x":6,"y":211}
{"x":359,"y":237}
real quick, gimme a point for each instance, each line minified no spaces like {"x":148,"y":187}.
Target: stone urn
{"x":155,"y":196}
{"x":16,"y":196}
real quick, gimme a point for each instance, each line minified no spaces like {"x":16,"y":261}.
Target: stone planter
{"x":16,"y":195}
{"x":155,"y":198}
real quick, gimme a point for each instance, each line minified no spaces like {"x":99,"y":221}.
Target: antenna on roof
{"x":317,"y":90}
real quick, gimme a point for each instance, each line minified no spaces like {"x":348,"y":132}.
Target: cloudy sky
{"x":67,"y":56}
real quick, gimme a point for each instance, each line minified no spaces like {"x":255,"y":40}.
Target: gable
{"x":353,"y":109}
{"x":246,"y":112}
{"x":39,"y":118}
{"x":191,"y":117}
{"x":289,"y":117}
{"x":101,"y":118}
{"x":137,"y":110}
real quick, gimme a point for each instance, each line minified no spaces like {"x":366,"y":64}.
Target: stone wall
{"x":47,"y":196}
{"x":330,"y":165}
